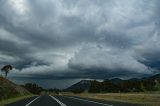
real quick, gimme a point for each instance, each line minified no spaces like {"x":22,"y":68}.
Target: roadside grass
{"x":14,"y":99}
{"x":146,"y":99}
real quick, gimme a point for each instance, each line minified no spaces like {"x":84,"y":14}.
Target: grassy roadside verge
{"x":11,"y":100}
{"x":146,"y":99}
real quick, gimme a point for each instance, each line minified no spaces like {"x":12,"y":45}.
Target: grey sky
{"x":79,"y":39}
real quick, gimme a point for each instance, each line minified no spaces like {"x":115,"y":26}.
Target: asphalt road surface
{"x":48,"y":100}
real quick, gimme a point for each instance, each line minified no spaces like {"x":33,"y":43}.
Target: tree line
{"x":36,"y":89}
{"x":107,"y":86}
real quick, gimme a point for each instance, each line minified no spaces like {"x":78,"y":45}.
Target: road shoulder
{"x":15,"y":100}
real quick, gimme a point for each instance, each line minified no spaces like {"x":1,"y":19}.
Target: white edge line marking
{"x":89,"y":101}
{"x":62,"y":104}
{"x":32,"y":101}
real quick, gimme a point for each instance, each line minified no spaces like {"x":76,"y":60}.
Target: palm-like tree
{"x":6,"y":69}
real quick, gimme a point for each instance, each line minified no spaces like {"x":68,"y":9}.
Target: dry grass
{"x":147,"y":99}
{"x":11,"y":100}
{"x":8,"y":89}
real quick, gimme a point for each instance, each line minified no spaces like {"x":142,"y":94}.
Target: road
{"x":48,"y":100}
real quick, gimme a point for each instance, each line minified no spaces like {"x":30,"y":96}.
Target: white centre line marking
{"x":89,"y":101}
{"x":32,"y":101}
{"x":62,"y":104}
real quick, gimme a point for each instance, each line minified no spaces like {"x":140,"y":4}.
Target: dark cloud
{"x":68,"y":39}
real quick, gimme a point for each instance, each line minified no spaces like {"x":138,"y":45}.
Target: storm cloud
{"x":84,"y":39}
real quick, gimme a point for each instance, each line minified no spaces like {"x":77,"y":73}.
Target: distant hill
{"x":9,"y":89}
{"x":134,"y":79}
{"x":155,"y":77}
{"x":83,"y":84}
{"x":116,"y":80}
{"x":118,"y":85}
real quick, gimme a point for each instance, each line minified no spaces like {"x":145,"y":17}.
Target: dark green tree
{"x":6,"y":69}
{"x":33,"y":88}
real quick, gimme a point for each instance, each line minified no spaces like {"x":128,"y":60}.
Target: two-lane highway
{"x":48,"y":100}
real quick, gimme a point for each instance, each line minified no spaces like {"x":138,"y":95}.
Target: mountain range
{"x":85,"y":84}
